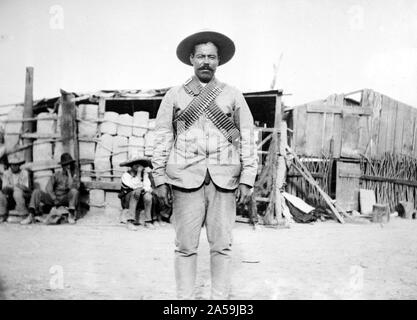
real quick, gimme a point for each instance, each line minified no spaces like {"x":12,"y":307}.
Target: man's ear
{"x":191,"y":58}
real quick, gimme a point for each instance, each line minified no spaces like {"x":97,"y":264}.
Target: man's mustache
{"x":205,"y":68}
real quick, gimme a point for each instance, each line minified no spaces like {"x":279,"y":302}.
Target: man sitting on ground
{"x":15,"y":191}
{"x":61,"y":191}
{"x":136,"y":189}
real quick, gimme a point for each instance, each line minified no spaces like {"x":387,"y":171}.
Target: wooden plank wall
{"x":391,"y":107}
{"x":397,"y":128}
{"x":391,"y":126}
{"x":408,"y":123}
{"x":313,"y":131}
{"x":372,"y":101}
{"x":300,"y":125}
{"x":350,"y":136}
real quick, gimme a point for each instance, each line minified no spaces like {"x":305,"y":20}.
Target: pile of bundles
{"x":105,"y":140}
{"x":12,"y":126}
{"x":47,"y":148}
{"x":111,"y":140}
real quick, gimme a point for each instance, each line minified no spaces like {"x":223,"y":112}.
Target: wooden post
{"x":277,"y":140}
{"x":76,"y":142}
{"x":28,"y":112}
{"x":28,"y":125}
{"x":281,"y":158}
{"x":281,"y":166}
{"x":69,"y":130}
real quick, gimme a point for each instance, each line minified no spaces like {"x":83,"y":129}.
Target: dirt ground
{"x":324,"y":260}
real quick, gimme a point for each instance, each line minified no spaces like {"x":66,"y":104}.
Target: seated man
{"x":136,"y":186}
{"x":15,"y":191}
{"x":61,"y":190}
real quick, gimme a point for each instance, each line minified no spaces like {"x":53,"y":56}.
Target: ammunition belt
{"x":204,"y":104}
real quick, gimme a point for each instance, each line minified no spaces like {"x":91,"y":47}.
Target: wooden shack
{"x":345,"y":137}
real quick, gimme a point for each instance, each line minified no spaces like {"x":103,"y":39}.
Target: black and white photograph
{"x":208,"y":150}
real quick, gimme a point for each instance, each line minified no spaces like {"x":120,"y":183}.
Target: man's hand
{"x":22,"y":187}
{"x":164,"y":195}
{"x":243,"y":194}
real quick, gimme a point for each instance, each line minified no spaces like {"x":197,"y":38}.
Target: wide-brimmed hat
{"x":66,"y":159}
{"x":15,"y":160}
{"x":225,"y":46}
{"x":145,"y":162}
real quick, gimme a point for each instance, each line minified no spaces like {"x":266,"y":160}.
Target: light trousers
{"x":16,"y":195}
{"x":131,"y":201}
{"x":40,"y":197}
{"x":214,"y":208}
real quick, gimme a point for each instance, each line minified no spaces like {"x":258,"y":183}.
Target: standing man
{"x":136,"y":189}
{"x":15,"y":191}
{"x":61,"y":190}
{"x":203,"y":159}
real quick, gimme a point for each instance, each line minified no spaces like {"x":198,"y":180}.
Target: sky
{"x":320,"y":47}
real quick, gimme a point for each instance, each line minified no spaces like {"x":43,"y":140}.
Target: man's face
{"x":137,"y":167}
{"x":15,"y":168}
{"x":66,"y":167}
{"x":205,"y":60}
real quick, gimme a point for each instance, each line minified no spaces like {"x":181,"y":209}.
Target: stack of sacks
{"x":87,"y":129}
{"x":124,"y":127}
{"x":12,"y":130}
{"x":97,"y":198}
{"x":102,"y":165}
{"x":46,"y":127}
{"x":86,"y":170}
{"x":87,"y":125}
{"x":109,"y":124}
{"x":136,"y":147}
{"x":149,"y":143}
{"x":42,"y":150}
{"x":140,"y":123}
{"x":120,"y":150}
{"x":87,"y":150}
